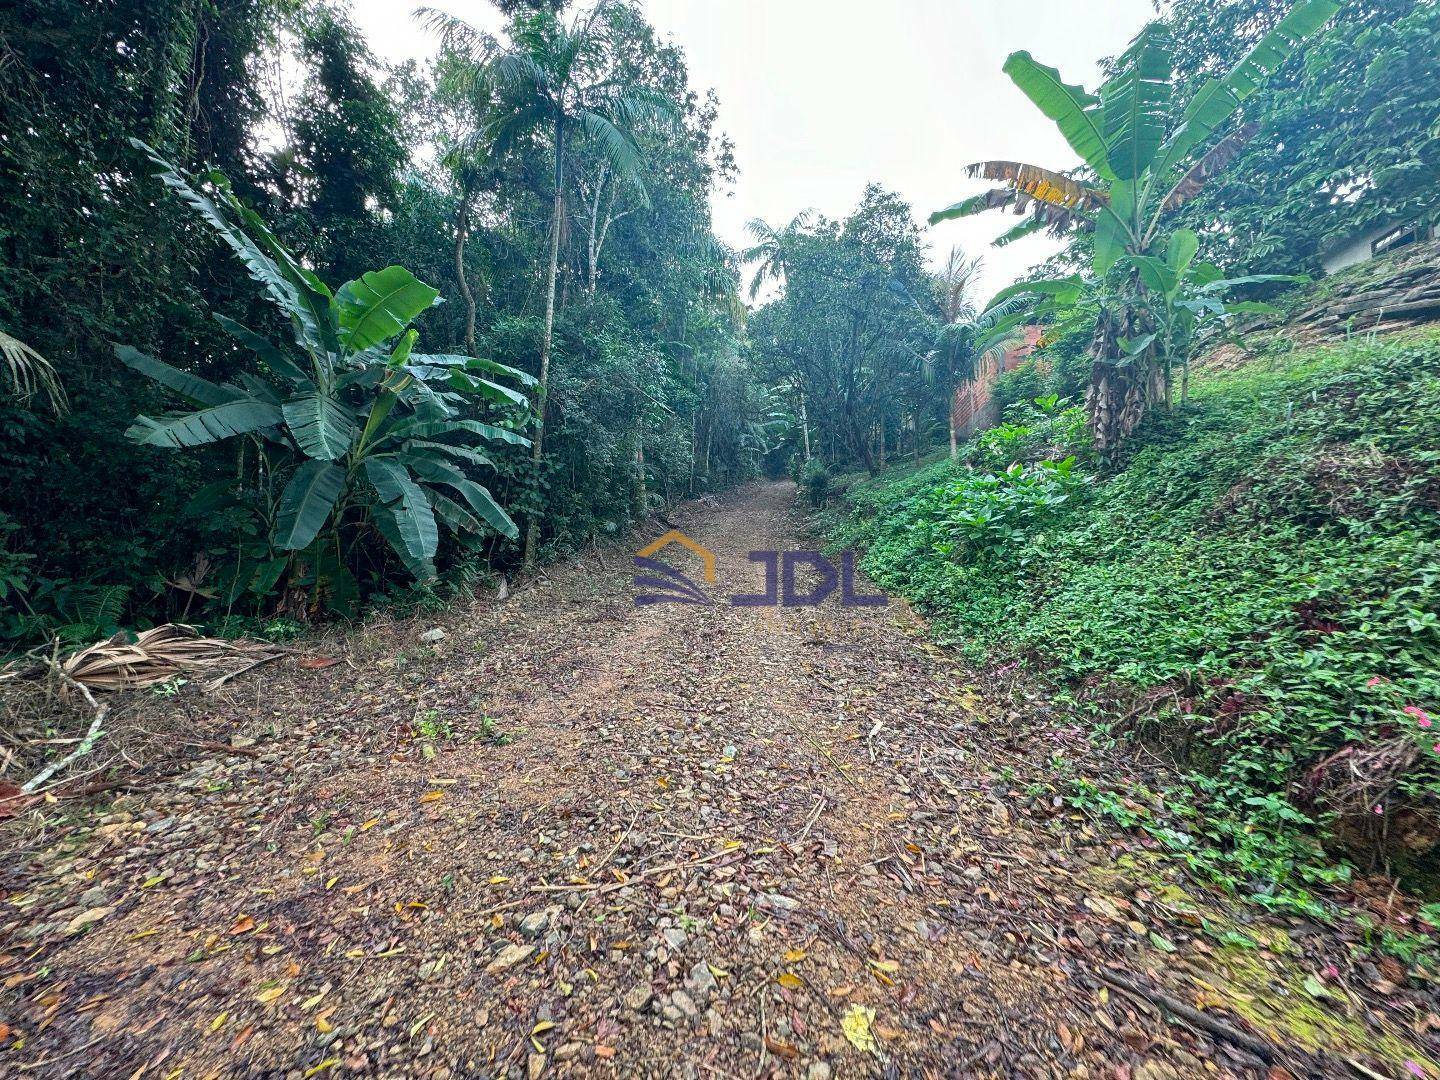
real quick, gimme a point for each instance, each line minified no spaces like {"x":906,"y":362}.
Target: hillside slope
{"x":1257,"y":589}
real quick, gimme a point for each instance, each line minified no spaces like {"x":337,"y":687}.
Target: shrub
{"x":815,"y":483}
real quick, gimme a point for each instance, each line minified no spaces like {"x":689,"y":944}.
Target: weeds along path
{"x":577,"y":837}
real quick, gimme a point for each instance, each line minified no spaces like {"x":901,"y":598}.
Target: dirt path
{"x":577,"y":837}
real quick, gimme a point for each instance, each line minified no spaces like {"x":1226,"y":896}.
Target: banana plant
{"x":1138,"y":167}
{"x":379,"y":431}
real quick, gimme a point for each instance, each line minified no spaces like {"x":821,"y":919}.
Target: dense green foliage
{"x":864,"y":343}
{"x":367,"y":435}
{"x":1263,"y":575}
{"x":1348,"y":134}
{"x":354,"y":167}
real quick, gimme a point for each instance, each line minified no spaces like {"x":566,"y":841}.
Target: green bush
{"x":1266,"y":565}
{"x":815,"y":483}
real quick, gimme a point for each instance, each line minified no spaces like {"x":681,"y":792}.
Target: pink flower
{"x":1376,"y":681}
{"x":1377,"y":809}
{"x":1437,"y":748}
{"x":1421,"y":716}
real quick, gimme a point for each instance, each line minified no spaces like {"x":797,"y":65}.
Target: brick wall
{"x":974,"y":404}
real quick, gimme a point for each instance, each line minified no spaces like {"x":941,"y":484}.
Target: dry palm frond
{"x":29,"y":373}
{"x":157,"y":656}
{"x":1223,"y":153}
{"x":1042,"y":185}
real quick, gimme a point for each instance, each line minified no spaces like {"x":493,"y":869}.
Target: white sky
{"x":824,"y":96}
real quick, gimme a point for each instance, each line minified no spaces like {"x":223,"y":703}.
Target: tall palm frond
{"x":30,"y":373}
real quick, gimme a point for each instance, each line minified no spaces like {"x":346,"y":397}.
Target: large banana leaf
{"x":1076,"y":113}
{"x":485,"y":431}
{"x":206,"y":426}
{"x":480,"y":500}
{"x":1210,"y":163}
{"x":262,"y":268}
{"x":306,"y":503}
{"x":388,"y":477}
{"x":429,"y":450}
{"x":276,"y":360}
{"x":378,"y":306}
{"x":1218,"y":99}
{"x":1026,"y":228}
{"x":288,"y":292}
{"x":404,"y":502}
{"x":472,"y":364}
{"x":314,"y":318}
{"x":1113,"y":232}
{"x":467,"y":384}
{"x":993,"y":199}
{"x":196,"y":389}
{"x":421,"y":429}
{"x":322,"y":426}
{"x":1136,"y":103}
{"x":390,"y":520}
{"x":1066,"y":290}
{"x":452,"y":513}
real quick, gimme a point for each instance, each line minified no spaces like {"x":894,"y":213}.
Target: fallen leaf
{"x":242,"y":925}
{"x":315,"y":663}
{"x":781,"y":1049}
{"x":432,"y":796}
{"x":857,"y":1024}
{"x":328,"y":1063}
{"x":790,"y":981}
{"x":11,"y":800}
{"x":794,"y":956}
{"x":267,"y":996}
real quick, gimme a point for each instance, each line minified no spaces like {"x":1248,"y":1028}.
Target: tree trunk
{"x":1121,"y":393}
{"x":640,"y":495}
{"x":954,"y":431}
{"x":557,"y":213}
{"x":462,"y":230}
{"x":805,"y":425}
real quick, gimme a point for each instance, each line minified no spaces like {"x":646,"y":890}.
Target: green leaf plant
{"x":372,"y":436}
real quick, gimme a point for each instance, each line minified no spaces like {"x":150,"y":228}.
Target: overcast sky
{"x":824,"y":96}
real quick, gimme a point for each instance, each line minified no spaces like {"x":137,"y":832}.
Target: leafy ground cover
{"x":1256,"y":588}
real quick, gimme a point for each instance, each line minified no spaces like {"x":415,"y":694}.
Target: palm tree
{"x":1139,"y":166}
{"x":967,"y":339}
{"x":772,"y":249}
{"x":562,"y":79}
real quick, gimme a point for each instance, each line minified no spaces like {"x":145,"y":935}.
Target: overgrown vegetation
{"x":446,"y":168}
{"x":1256,"y":589}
